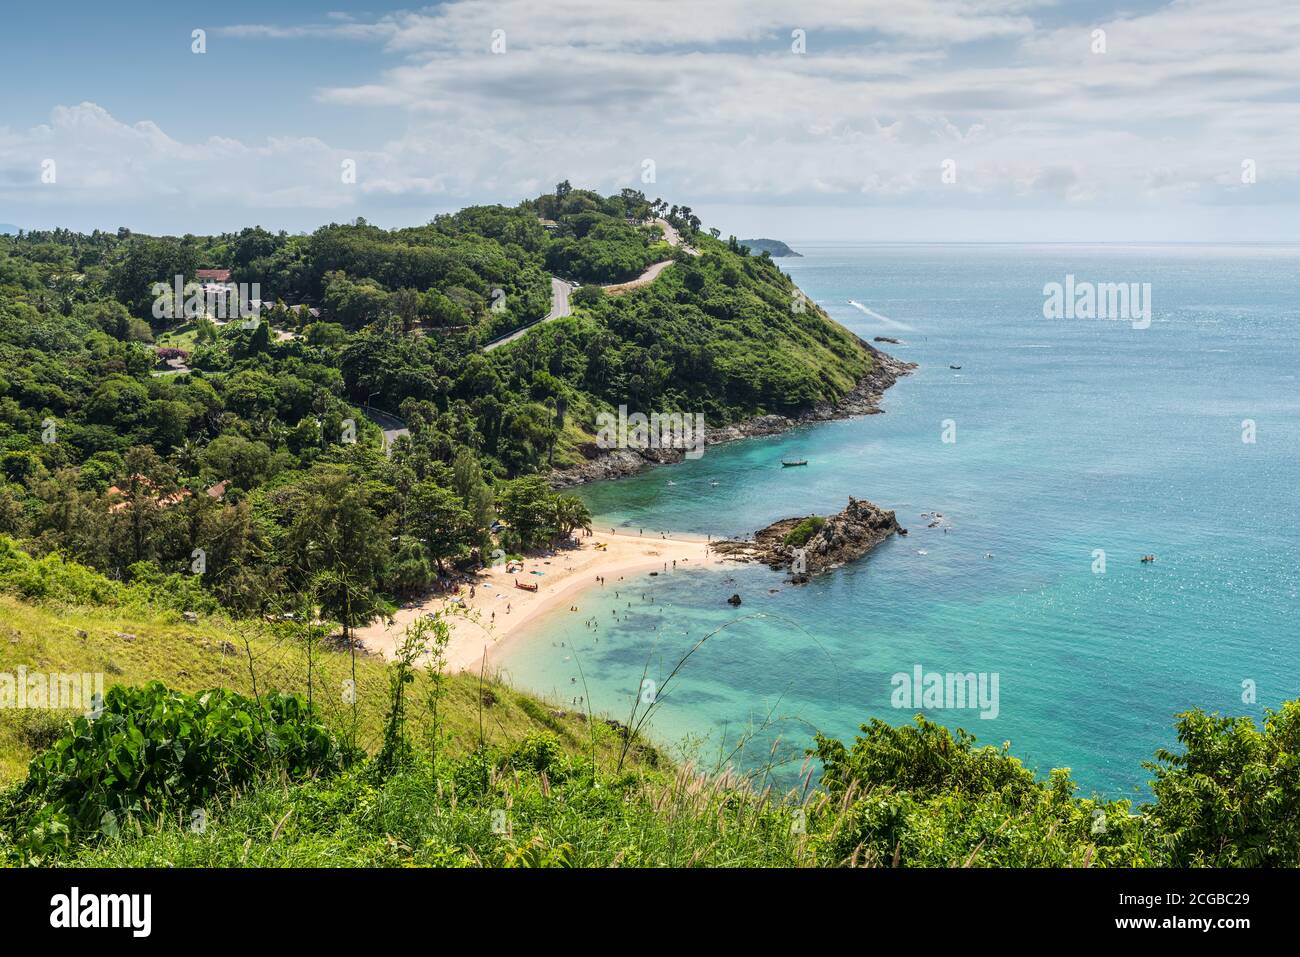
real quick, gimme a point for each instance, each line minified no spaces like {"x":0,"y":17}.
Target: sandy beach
{"x":499,"y":613}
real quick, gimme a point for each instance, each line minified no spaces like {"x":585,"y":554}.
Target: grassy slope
{"x":904,"y":795}
{"x":560,"y":818}
{"x":190,"y":657}
{"x":650,"y":814}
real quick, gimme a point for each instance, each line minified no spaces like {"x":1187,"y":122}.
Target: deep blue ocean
{"x":1071,"y":436}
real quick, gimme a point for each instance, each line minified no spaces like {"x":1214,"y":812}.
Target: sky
{"x":839,"y":120}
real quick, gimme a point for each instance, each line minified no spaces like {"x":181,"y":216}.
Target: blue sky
{"x":1042,"y":136}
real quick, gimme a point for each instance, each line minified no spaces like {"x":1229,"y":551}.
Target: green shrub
{"x":799,"y":535}
{"x":154,"y":752}
{"x":537,"y":752}
{"x":1231,"y":798}
{"x":472,"y":774}
{"x":52,"y":578}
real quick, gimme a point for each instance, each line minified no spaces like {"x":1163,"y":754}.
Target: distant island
{"x":8,"y":229}
{"x":773,"y":247}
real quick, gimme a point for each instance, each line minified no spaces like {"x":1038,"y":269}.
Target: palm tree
{"x":571,"y":513}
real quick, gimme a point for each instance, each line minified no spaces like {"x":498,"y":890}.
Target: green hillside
{"x":146,"y":436}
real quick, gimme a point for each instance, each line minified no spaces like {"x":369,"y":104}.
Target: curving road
{"x":647,"y":277}
{"x":560,"y":289}
{"x":673,"y":238}
{"x":559,"y":308}
{"x":390,"y":424}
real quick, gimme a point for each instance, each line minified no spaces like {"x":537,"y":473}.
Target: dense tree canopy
{"x":136,"y":443}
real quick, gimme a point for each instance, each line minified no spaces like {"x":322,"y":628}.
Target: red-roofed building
{"x":120,"y":498}
{"x":214,"y":275}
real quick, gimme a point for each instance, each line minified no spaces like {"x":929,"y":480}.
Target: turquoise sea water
{"x":1071,"y":436}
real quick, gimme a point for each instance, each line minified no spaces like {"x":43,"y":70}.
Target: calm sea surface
{"x":1071,"y":436}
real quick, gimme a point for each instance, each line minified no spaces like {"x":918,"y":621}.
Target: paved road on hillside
{"x":559,"y":308}
{"x":560,"y":289}
{"x":391,"y":425}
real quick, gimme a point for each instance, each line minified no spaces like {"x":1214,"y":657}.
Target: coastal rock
{"x":832,"y":541}
{"x":864,"y":399}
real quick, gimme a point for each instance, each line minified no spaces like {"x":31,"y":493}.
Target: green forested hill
{"x":144,"y":440}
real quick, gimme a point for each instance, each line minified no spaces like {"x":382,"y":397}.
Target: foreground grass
{"x":133,"y":646}
{"x":558,"y":816}
{"x":484,"y":775}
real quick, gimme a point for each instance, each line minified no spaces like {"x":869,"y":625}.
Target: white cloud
{"x":713,"y":94}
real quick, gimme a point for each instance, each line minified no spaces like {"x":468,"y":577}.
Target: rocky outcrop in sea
{"x":834,"y":540}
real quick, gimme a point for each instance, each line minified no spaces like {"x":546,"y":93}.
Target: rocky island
{"x":813,"y":544}
{"x":773,"y":247}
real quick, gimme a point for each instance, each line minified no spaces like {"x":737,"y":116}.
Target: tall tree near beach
{"x":475,"y":496}
{"x":571,"y":514}
{"x":438,"y":518}
{"x":525,"y":504}
{"x":340,"y":546}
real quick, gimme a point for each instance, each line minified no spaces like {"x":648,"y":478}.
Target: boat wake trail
{"x":892,"y":323}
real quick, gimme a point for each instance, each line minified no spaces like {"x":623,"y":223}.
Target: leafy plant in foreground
{"x":155,"y":752}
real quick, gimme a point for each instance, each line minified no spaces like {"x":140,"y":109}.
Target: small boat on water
{"x":790,"y":465}
{"x":954,"y":367}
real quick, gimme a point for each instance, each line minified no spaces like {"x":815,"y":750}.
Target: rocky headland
{"x":863,"y":399}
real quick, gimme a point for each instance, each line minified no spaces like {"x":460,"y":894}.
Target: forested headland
{"x":132,"y":443}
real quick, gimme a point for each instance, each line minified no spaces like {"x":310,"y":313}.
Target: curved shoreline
{"x":485,"y":626}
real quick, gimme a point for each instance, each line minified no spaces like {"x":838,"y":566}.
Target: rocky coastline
{"x":824,"y":542}
{"x":863,"y":399}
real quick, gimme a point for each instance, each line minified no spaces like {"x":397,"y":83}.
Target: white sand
{"x":487,"y":628}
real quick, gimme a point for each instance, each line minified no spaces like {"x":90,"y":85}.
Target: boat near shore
{"x":790,"y":465}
